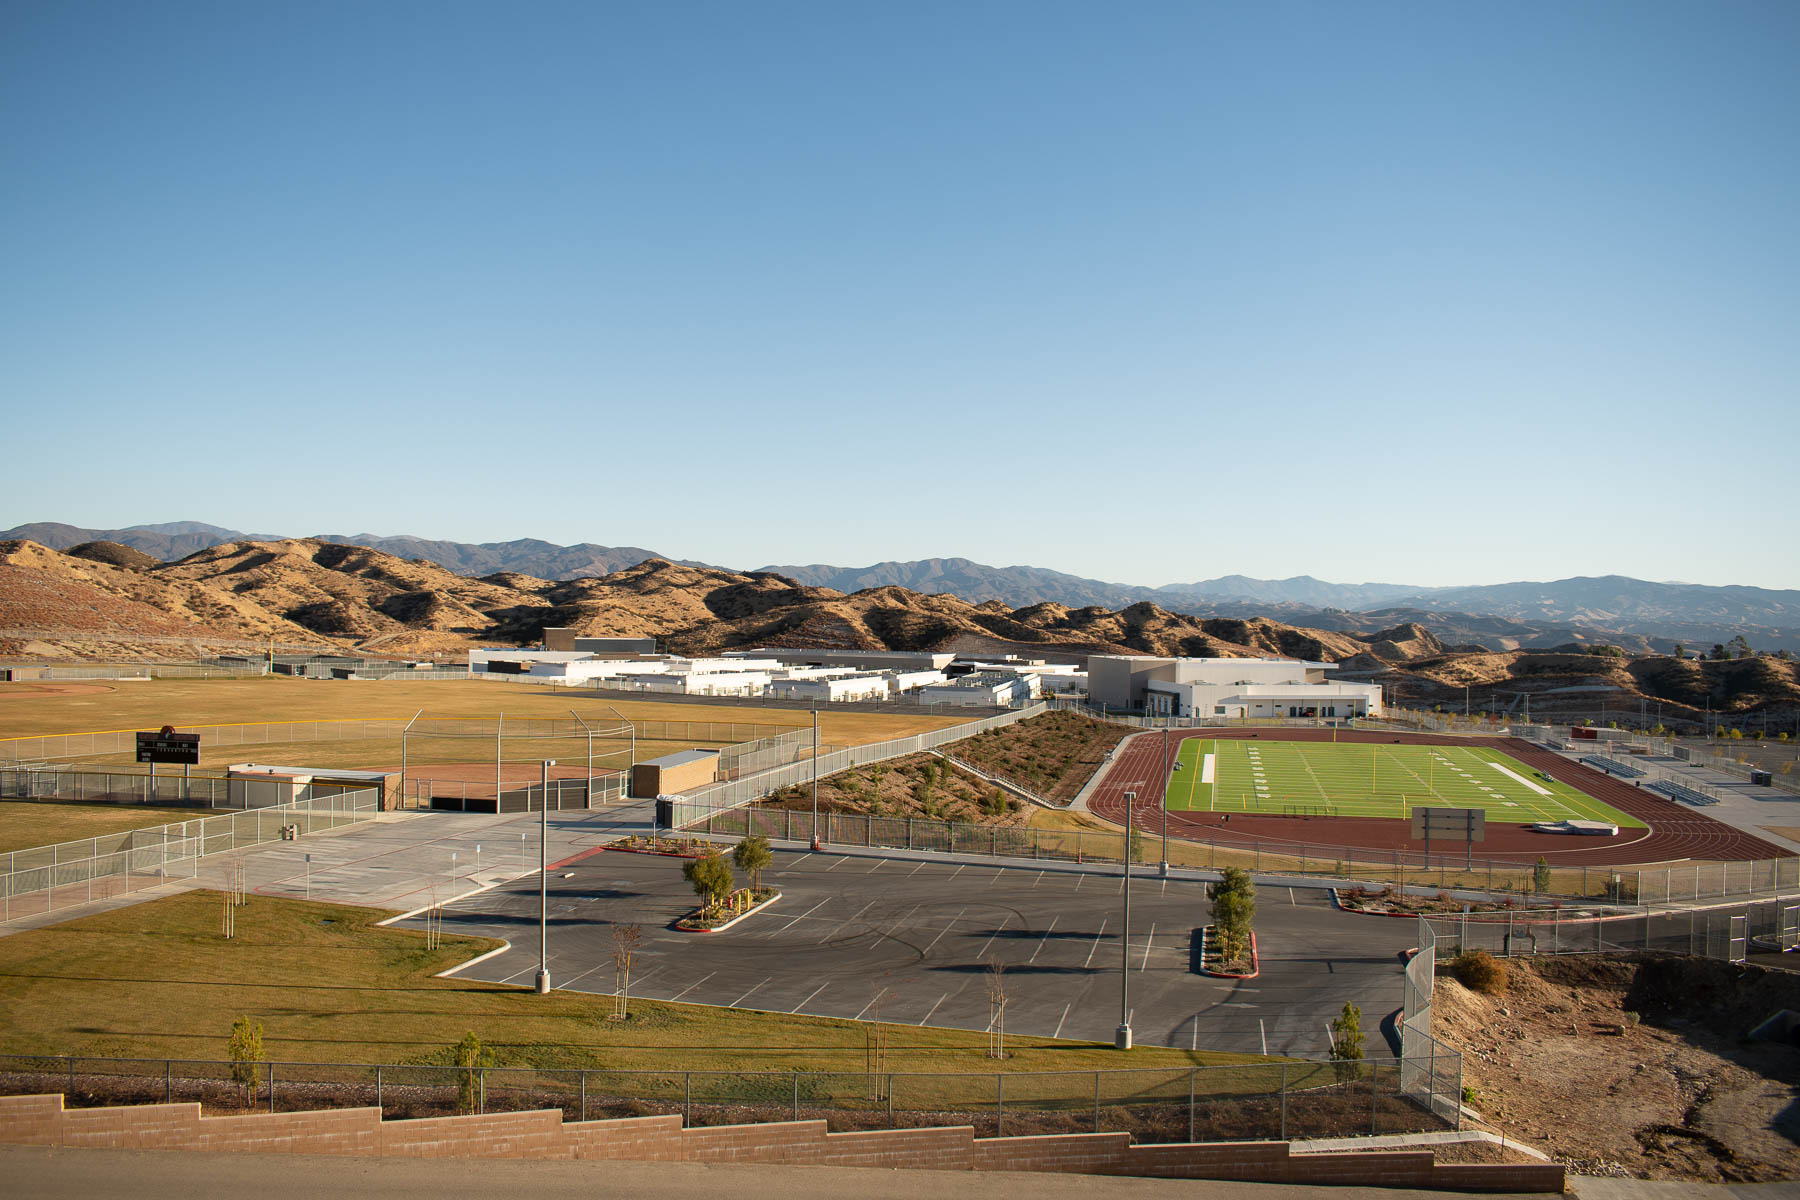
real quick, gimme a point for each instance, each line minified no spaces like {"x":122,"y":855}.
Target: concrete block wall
{"x":43,"y":1121}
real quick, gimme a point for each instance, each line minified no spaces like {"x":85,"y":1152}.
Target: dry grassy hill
{"x":308,"y":591}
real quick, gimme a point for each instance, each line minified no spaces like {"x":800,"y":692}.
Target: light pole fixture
{"x":543,"y":971}
{"x":1122,"y":1035}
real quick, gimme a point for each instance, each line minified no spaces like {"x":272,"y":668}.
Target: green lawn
{"x":157,"y":980}
{"x":26,"y":824}
{"x":1360,"y":780}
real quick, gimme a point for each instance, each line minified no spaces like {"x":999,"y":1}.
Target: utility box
{"x":1762,"y":779}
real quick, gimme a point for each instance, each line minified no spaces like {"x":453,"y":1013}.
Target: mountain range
{"x":1637,"y":614}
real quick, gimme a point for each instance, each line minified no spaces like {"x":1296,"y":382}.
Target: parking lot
{"x":909,"y":941}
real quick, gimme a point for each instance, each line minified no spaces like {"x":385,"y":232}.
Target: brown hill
{"x":113,"y":553}
{"x":308,"y":590}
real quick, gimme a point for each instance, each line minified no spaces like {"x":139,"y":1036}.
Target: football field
{"x":1358,"y":780}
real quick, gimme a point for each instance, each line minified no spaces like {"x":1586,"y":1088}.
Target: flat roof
{"x":680,"y":758}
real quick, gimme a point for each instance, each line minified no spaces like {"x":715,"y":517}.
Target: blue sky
{"x":1425,"y":293}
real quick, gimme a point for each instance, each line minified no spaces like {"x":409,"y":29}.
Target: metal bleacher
{"x":1613,"y":766}
{"x":1681,"y":792}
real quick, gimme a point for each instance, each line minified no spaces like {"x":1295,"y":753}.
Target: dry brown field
{"x":150,"y":704}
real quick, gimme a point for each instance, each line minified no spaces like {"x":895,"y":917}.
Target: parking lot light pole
{"x":1122,"y":1035}
{"x":815,"y":777}
{"x":543,"y":971}
{"x":1168,"y":779}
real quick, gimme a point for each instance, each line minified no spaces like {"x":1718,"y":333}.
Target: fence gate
{"x":1739,"y":948}
{"x":1789,"y":934}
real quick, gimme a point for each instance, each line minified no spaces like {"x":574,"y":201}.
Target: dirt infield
{"x":1675,"y":831}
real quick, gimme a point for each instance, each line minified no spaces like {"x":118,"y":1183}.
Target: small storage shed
{"x":674,"y":773}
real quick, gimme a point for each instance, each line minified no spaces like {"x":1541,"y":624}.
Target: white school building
{"x":1227,"y":687}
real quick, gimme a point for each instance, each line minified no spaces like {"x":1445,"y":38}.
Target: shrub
{"x":246,"y":1050}
{"x":1540,"y":876}
{"x":1347,"y":1043}
{"x":1479,"y":971}
{"x":470,"y":1058}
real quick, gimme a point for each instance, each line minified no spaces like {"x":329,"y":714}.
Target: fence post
{"x":583,"y":1096}
{"x":890,"y":1100}
{"x":167,"y":1082}
{"x":271,"y":1087}
{"x":1096,"y":1102}
{"x":1192,"y":1073}
{"x":70,"y":1089}
{"x":378,"y":1104}
{"x":1000,"y":1105}
{"x":1284,"y":1091}
{"x":1374,"y":1094}
{"x":687,"y":1099}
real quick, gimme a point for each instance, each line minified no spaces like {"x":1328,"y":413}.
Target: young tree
{"x":1347,"y":1042}
{"x":711,"y":878}
{"x":625,"y":939}
{"x":751,"y":856}
{"x":1680,"y":651}
{"x":470,"y":1058}
{"x":1540,"y":876}
{"x":246,"y":1050}
{"x":1233,"y":911}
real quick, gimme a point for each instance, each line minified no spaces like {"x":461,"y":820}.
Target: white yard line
{"x":1520,"y":778}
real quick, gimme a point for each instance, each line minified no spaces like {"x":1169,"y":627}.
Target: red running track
{"x":1675,"y":831}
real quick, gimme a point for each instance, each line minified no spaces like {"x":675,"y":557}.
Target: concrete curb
{"x":748,"y":912}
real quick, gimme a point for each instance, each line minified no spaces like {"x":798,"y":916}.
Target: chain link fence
{"x":1276,"y":1100}
{"x":1727,"y":933}
{"x":701,"y":803}
{"x":47,"y":879}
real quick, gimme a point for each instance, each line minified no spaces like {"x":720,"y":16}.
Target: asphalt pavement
{"x":910,"y":940}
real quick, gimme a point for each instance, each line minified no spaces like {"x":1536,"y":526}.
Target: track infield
{"x":1325,"y":779}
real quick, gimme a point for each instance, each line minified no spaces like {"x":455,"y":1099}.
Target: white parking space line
{"x":918,"y":868}
{"x":1038,"y":880}
{"x":1046,"y":941}
{"x":871,"y":1004}
{"x":941,"y":933}
{"x":809,"y":912}
{"x":690,"y":987}
{"x":879,"y":863}
{"x":840,"y":862}
{"x":808,"y":1000}
{"x":747,"y":995}
{"x":990,"y":941}
{"x":1096,"y":946}
{"x":933,"y":1008}
{"x":1147,"y":942}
